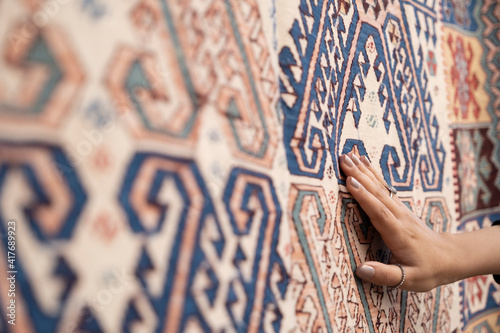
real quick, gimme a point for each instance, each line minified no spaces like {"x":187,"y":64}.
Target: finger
{"x":377,"y":176}
{"x":358,"y":162}
{"x":381,"y":193}
{"x":369,"y":167}
{"x":381,"y":274}
{"x":380,"y":216}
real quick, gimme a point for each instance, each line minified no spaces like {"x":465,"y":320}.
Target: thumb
{"x":379,"y":273}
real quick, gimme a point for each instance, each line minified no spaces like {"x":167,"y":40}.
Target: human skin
{"x":429,"y":259}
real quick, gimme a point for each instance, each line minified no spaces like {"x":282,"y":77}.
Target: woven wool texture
{"x":172,"y":165}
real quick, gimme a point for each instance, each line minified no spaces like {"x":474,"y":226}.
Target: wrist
{"x":471,"y":254}
{"x":451,"y":268}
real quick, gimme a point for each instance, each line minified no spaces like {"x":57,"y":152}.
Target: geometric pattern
{"x":363,"y":77}
{"x":47,"y":76}
{"x":51,"y":203}
{"x":476,"y":170}
{"x":172,"y":165}
{"x":475,"y":141}
{"x":381,"y":72}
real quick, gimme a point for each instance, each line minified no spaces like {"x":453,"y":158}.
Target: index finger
{"x":353,"y":167}
{"x":381,"y":217}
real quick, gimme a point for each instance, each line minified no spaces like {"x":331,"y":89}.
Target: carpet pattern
{"x":172,"y":165}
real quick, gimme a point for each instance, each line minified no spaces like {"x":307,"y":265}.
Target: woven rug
{"x":172,"y":165}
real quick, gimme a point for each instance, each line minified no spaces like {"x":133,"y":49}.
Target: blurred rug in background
{"x":171,"y":166}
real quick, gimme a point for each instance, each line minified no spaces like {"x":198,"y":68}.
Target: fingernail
{"x":354,"y":183}
{"x":365,"y":272}
{"x":348,"y":161}
{"x":365,"y":161}
{"x":355,"y":159}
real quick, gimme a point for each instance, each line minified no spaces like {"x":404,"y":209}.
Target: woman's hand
{"x":426,"y":257}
